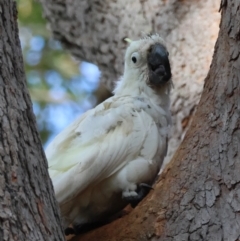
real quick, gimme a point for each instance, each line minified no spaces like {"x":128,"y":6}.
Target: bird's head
{"x":146,"y":65}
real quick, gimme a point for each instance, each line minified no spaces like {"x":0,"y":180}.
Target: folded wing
{"x":98,"y":144}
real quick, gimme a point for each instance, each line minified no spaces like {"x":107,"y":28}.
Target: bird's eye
{"x":135,"y":57}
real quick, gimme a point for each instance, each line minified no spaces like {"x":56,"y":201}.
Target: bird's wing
{"x":97,"y":145}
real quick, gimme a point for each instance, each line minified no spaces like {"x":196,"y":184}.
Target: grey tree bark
{"x":28,"y":210}
{"x":198,"y":195}
{"x":93,"y":31}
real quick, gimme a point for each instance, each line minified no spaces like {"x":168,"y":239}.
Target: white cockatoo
{"x":111,"y":155}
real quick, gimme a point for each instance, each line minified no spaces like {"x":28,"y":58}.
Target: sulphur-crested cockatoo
{"x":110,"y":156}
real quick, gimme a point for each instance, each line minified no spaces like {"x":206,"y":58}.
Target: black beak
{"x":158,"y":64}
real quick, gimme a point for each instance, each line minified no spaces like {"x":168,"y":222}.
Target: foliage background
{"x":61,"y":87}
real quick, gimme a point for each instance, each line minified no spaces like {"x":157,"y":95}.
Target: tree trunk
{"x":198,"y":195}
{"x":93,"y":31}
{"x":28,"y":210}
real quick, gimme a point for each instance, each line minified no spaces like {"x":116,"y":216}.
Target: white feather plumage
{"x":114,"y":147}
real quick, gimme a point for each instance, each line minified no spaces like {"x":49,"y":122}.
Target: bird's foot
{"x":134,"y":197}
{"x":69,"y":231}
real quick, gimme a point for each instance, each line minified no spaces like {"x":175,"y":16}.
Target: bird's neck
{"x":158,"y":96}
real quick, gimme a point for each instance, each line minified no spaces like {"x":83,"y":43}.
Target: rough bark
{"x":198,"y":196}
{"x":93,"y":31}
{"x":28,"y":210}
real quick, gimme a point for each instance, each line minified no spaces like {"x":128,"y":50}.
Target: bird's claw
{"x":142,"y":190}
{"x":69,"y":231}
